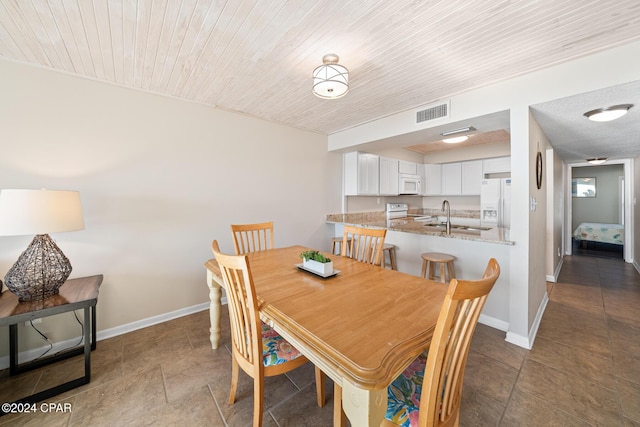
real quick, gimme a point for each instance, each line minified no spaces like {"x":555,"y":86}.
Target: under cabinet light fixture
{"x":597,"y":160}
{"x":609,"y":113}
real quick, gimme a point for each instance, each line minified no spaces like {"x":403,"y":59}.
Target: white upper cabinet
{"x":408,"y":167}
{"x":361,"y":174}
{"x":496,"y":165}
{"x":432,"y":179}
{"x":451,"y":179}
{"x":471,"y":177}
{"x":461,"y":178}
{"x":388,"y":177}
{"x":372,"y":175}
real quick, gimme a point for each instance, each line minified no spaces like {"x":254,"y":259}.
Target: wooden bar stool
{"x":391,"y":249}
{"x":337,"y":241}
{"x":429,"y":261}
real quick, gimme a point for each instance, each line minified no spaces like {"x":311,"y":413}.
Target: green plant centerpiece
{"x":315,"y":261}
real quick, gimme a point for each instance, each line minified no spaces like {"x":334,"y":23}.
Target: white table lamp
{"x":42,"y":268}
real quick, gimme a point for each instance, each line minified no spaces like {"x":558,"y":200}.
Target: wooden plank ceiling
{"x":256,"y":56}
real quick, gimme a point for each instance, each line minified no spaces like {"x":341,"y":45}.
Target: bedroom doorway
{"x":597,"y":214}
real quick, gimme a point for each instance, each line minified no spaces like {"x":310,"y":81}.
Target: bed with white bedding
{"x":599,"y":232}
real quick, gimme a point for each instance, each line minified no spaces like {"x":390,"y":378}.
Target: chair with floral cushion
{"x":429,"y":391}
{"x":256,"y":348}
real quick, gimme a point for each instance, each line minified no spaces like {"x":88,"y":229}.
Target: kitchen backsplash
{"x":463,"y":206}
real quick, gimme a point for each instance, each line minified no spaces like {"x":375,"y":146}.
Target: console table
{"x":75,"y":294}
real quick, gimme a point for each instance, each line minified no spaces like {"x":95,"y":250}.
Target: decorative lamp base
{"x":39,"y":271}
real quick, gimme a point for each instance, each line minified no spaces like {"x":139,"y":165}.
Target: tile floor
{"x":584,"y":369}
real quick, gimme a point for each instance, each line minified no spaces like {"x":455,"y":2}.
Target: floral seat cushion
{"x":404,"y":393}
{"x":275,"y":349}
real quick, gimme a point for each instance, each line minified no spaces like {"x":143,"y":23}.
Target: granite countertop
{"x":497,"y":235}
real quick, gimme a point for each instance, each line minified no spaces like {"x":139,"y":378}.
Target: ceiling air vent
{"x":437,"y":111}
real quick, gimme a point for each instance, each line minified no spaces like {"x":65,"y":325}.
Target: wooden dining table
{"x":361,"y":327}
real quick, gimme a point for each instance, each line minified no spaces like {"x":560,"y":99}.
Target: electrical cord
{"x":44,"y":337}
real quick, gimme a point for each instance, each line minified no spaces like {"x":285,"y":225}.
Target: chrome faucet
{"x":445,"y":204}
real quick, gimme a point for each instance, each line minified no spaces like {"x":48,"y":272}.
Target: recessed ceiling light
{"x":455,"y":139}
{"x":609,"y":113}
{"x":597,"y":160}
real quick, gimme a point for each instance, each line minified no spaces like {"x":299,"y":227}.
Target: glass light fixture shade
{"x":455,"y":139}
{"x":597,"y":160}
{"x":27,"y":212}
{"x":330,"y":80}
{"x":609,"y":113}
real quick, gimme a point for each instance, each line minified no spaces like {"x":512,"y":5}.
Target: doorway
{"x":597,"y":221}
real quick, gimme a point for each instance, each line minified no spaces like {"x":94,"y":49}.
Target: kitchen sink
{"x":458,"y":227}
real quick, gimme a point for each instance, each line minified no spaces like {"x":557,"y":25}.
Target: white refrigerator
{"x":495,"y":202}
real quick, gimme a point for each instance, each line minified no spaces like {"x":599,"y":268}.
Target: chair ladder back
{"x":241,"y":298}
{"x":252,"y":237}
{"x":366,"y":244}
{"x":447,"y":358}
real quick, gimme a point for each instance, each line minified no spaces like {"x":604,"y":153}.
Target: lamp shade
{"x":28,"y":212}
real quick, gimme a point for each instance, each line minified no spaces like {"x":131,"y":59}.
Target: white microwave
{"x":409,"y":184}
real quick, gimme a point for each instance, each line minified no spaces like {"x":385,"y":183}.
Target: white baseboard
{"x":108,"y":333}
{"x":637,"y":267}
{"x":527,"y":342}
{"x":500,"y":325}
{"x":556,"y":273}
{"x":150,"y":321}
{"x":32,"y":354}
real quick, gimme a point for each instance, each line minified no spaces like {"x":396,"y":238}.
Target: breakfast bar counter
{"x":409,"y":224}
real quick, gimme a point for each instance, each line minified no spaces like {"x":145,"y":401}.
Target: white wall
{"x":159,"y":178}
{"x":636,"y":212}
{"x":537,"y":290}
{"x":604,"y":207}
{"x":555,"y":213}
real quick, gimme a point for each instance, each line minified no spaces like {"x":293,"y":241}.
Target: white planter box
{"x":323,"y":268}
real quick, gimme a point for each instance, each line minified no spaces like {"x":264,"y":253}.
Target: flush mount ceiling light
{"x":597,"y":160}
{"x":609,"y":113}
{"x":457,"y":139}
{"x":330,"y":80}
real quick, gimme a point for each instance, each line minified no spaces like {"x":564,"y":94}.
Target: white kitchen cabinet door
{"x":368,"y":174}
{"x":432,"y":180}
{"x":471,"y":177}
{"x":360,"y":174}
{"x":388,"y":177}
{"x":408,"y":167}
{"x":451,"y":179}
{"x":496,"y":165}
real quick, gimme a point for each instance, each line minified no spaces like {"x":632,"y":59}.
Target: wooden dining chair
{"x":363,"y":244}
{"x":256,"y":348}
{"x":435,"y":379}
{"x":252,"y":237}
